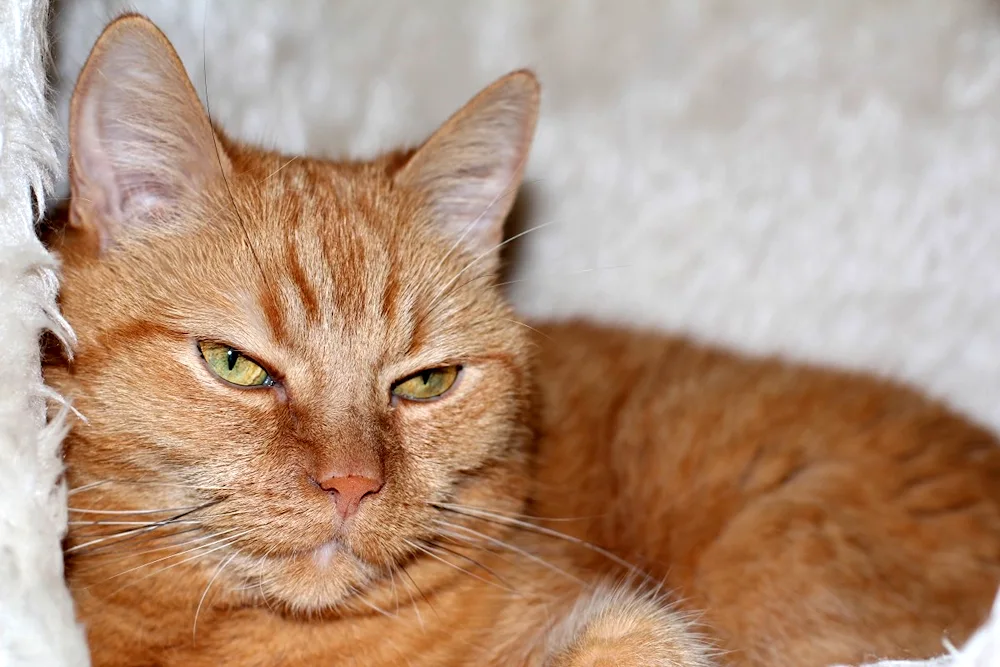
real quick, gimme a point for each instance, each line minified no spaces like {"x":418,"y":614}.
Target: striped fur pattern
{"x":579,"y":495}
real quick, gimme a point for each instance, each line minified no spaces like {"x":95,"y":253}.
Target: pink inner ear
{"x":470,"y":169}
{"x":122,"y":185}
{"x":139,"y":135}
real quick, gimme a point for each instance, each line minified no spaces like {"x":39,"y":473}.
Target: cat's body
{"x":384,"y":467}
{"x":815,"y":516}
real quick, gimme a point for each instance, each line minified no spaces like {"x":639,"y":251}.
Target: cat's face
{"x":311,"y":353}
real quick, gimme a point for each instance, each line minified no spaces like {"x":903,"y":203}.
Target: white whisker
{"x":100,"y":522}
{"x":180,"y":545}
{"x":276,"y":171}
{"x":416,"y":606}
{"x":529,"y":327}
{"x":176,"y":485}
{"x":232,"y":540}
{"x":359,"y":596}
{"x":486,"y":515}
{"x":87,"y":487}
{"x":486,"y":253}
{"x":512,"y":186}
{"x":395,"y":593}
{"x":218,"y":571}
{"x":457,"y":567}
{"x":520,"y":515}
{"x":169,"y":556}
{"x":504,"y":545}
{"x":159,"y":511}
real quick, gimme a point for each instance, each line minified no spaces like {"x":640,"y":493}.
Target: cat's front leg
{"x":618,"y":626}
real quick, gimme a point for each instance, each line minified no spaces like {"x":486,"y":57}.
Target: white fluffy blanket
{"x":36,"y":616}
{"x":811,"y":177}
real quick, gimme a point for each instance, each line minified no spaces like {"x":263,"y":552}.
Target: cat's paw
{"x":620,"y":627}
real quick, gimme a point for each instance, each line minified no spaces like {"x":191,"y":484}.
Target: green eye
{"x":427,"y":384}
{"x":232,"y":366}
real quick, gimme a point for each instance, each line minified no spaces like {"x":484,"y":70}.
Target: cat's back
{"x":712,"y":401}
{"x":754,"y":484}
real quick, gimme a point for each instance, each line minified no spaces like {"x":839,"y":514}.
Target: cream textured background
{"x":36,"y":618}
{"x":810,"y":177}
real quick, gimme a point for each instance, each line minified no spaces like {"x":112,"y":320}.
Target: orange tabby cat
{"x":316,"y":435}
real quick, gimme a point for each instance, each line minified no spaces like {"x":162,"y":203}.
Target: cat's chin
{"x":324,"y":555}
{"x":319,"y":580}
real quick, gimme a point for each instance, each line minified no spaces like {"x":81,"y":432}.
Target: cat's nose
{"x":350,"y":490}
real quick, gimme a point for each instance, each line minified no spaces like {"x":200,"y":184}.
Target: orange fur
{"x":811,"y":516}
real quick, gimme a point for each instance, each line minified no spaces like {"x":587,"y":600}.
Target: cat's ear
{"x":139,"y":137}
{"x":470,"y":169}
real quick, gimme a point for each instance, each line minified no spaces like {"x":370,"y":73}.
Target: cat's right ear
{"x":139,"y":137}
{"x":469,"y":170}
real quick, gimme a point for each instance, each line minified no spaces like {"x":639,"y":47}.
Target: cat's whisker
{"x":257,"y":581}
{"x":426,"y":549}
{"x":521,"y":515}
{"x":482,"y":255}
{"x":359,"y":597}
{"x":529,"y":327}
{"x":505,"y":545}
{"x":125,"y":534}
{"x":141,"y":482}
{"x":122,"y":546}
{"x":134,"y":512}
{"x":546,"y":276}
{"x":187,"y":551}
{"x":468,"y":542}
{"x":473,"y":539}
{"x":416,"y":607}
{"x":222,"y":170}
{"x":132,"y":554}
{"x":230,"y":541}
{"x":475,"y":562}
{"x":168,"y":567}
{"x":201,"y":601}
{"x":278,"y":170}
{"x":144,"y":530}
{"x":178,"y":485}
{"x":87,"y":487}
{"x":100,"y":522}
{"x":259,"y":567}
{"x":263,"y":593}
{"x":486,"y":515}
{"x":261,"y":562}
{"x":511,"y":187}
{"x":395,"y":593}
{"x":230,"y":514}
{"x":124,"y":540}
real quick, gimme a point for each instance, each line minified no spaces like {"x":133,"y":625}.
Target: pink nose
{"x":348,"y":491}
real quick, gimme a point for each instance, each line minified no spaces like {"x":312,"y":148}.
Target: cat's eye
{"x":427,"y":384}
{"x":233,"y":366}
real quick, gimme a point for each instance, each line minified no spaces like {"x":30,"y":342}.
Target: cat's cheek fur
{"x":473,"y":421}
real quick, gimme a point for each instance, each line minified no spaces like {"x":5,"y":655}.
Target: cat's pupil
{"x":232,"y":356}
{"x":425,"y":376}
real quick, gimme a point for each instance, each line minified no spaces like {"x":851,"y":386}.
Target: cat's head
{"x":313,"y":354}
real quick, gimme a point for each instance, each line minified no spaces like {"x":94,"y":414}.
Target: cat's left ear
{"x":470,"y":169}
{"x":139,"y":137}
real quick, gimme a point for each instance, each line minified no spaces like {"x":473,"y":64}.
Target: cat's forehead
{"x":318,"y":186}
{"x":336,"y":255}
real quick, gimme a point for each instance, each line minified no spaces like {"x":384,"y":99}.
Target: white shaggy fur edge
{"x":37,"y":626}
